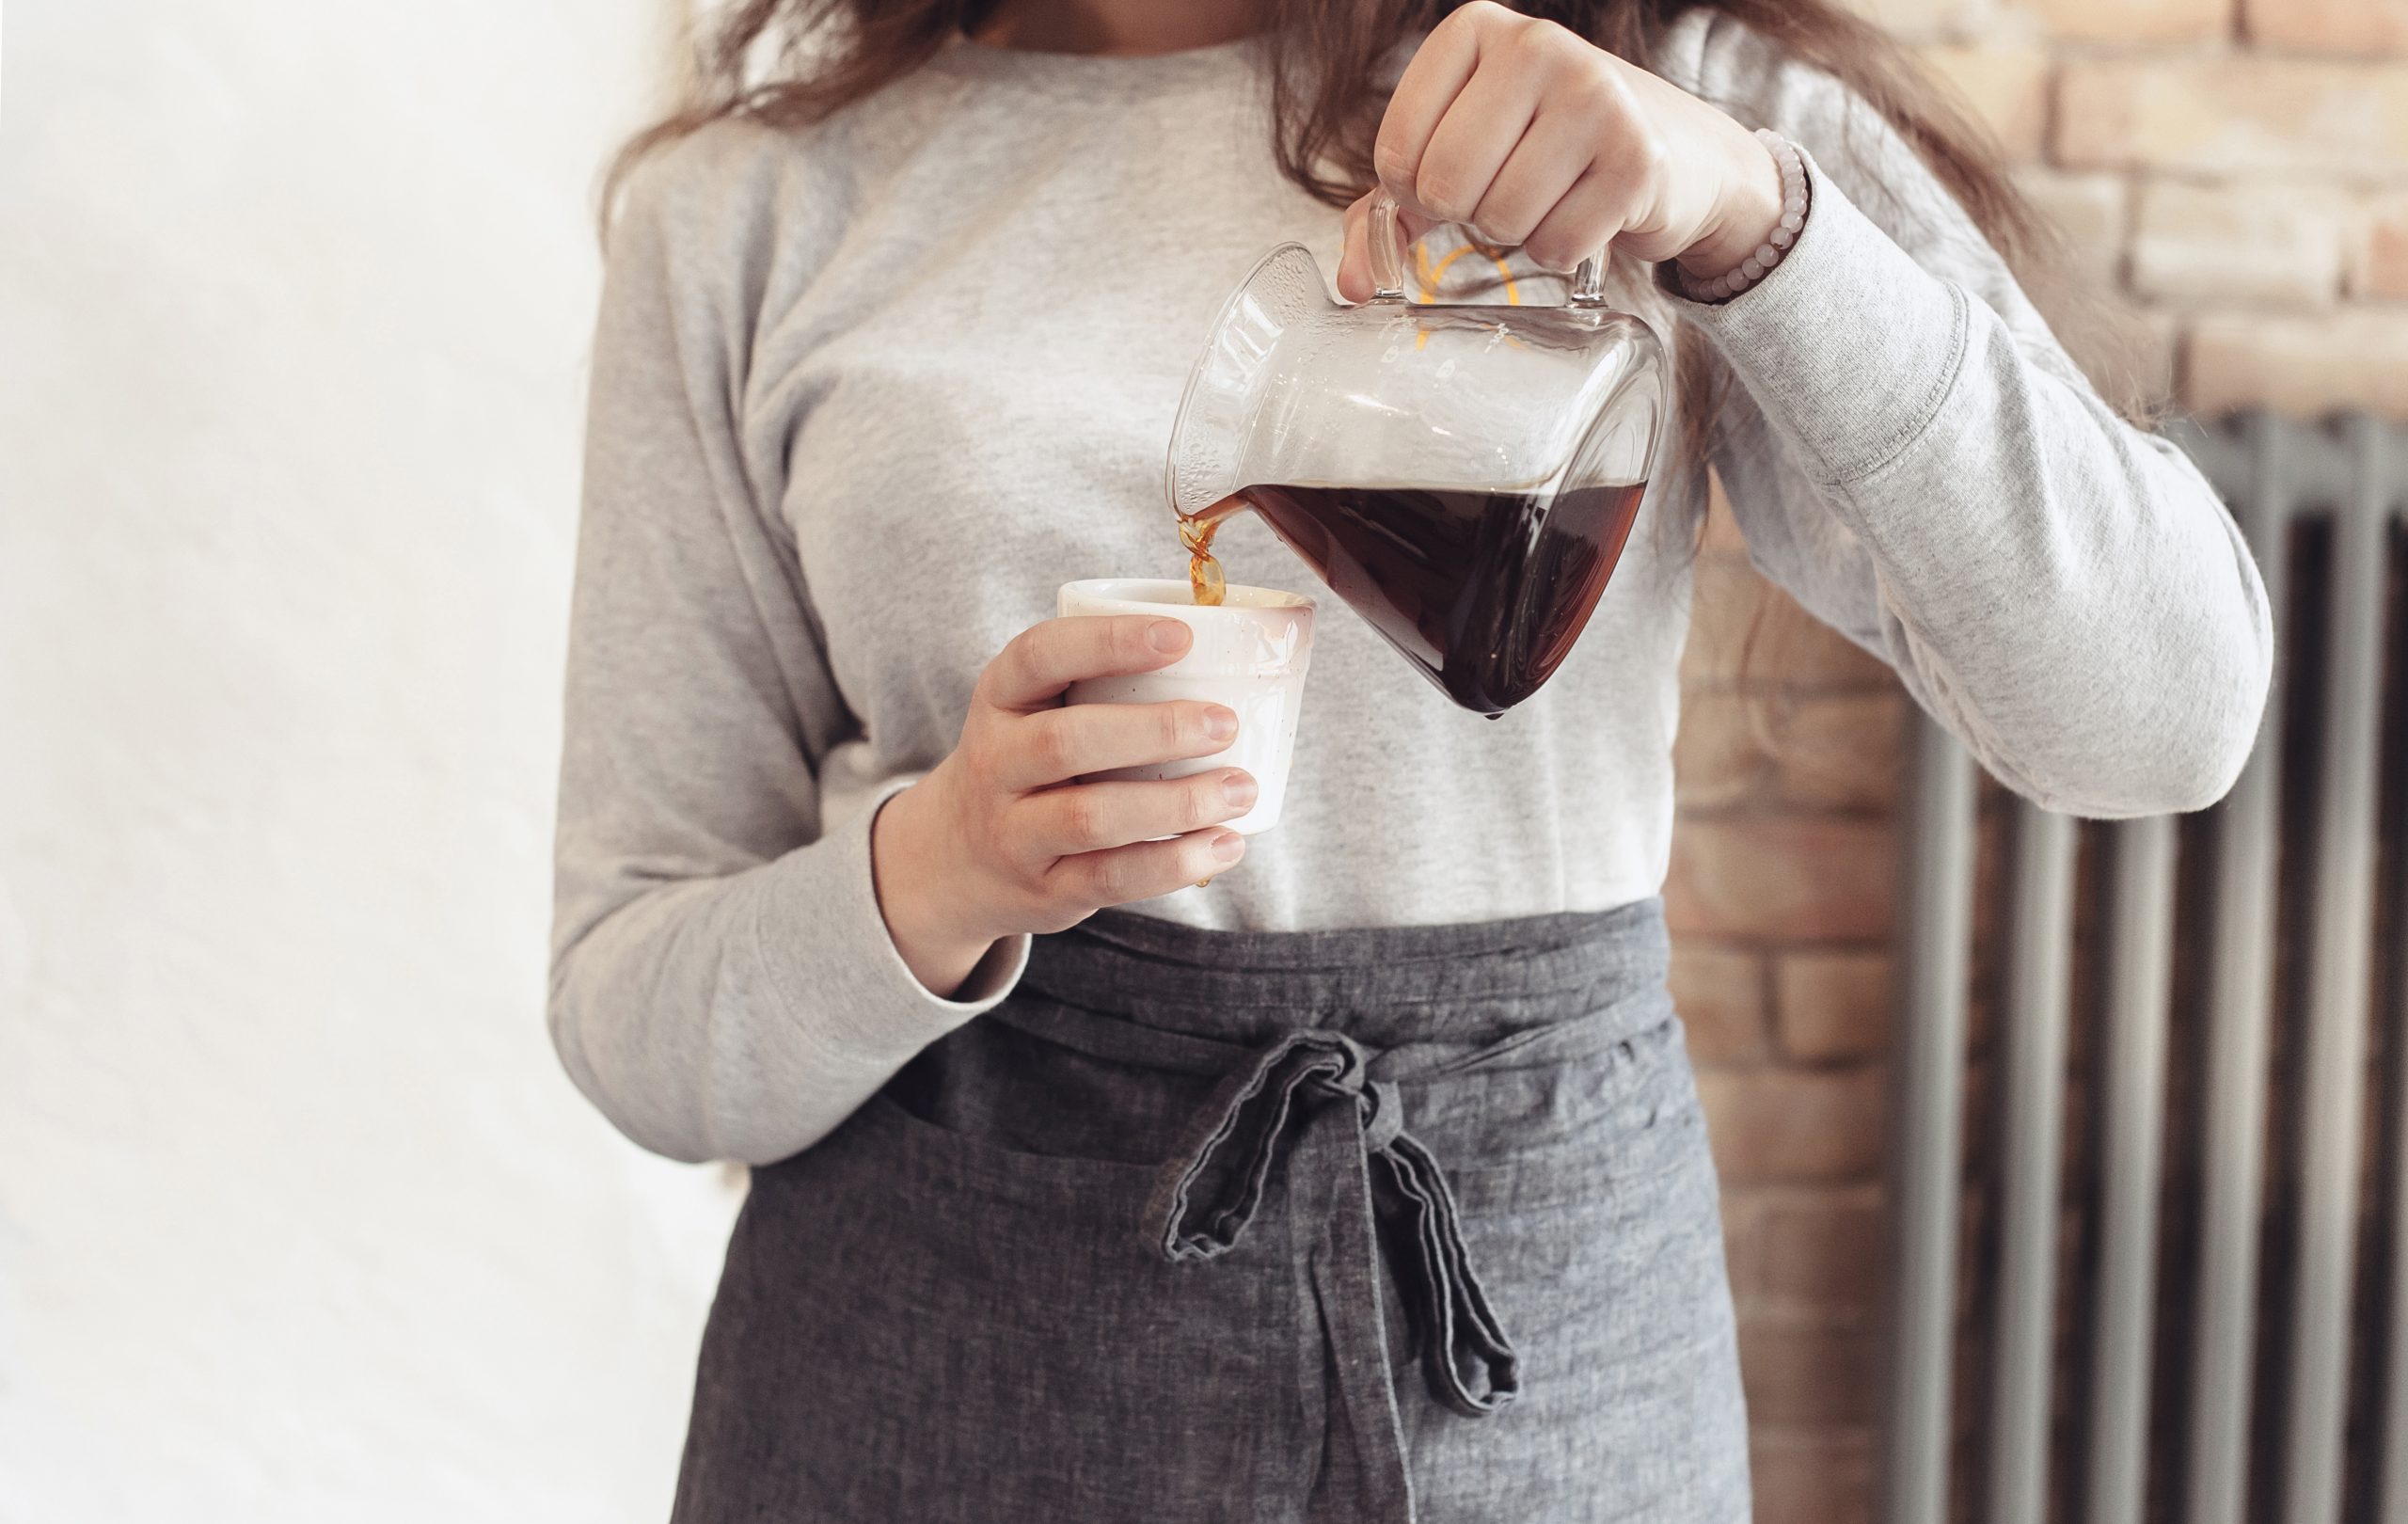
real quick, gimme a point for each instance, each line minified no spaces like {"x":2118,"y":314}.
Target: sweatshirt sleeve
{"x":722,"y":982}
{"x":1911,"y":454}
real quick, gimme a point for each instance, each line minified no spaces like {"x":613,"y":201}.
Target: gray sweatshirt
{"x":863,"y":395}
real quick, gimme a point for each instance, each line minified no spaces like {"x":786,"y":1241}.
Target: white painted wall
{"x":299,"y":1217}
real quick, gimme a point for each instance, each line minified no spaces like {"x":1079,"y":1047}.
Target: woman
{"x":1367,"y":1183}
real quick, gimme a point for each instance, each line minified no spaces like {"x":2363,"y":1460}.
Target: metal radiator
{"x":2168,"y":1281}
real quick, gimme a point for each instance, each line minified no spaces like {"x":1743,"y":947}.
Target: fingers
{"x":1520,"y":130}
{"x":1148,"y":869}
{"x":1045,"y":659}
{"x":1054,"y":745}
{"x":1470,"y":94}
{"x":1594,"y":210}
{"x":1620,"y":193}
{"x":1438,"y":73}
{"x":1471,"y":142}
{"x":1550,"y":160}
{"x":1086,"y":817}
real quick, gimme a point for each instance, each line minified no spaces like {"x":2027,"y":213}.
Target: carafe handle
{"x":1388,"y":260}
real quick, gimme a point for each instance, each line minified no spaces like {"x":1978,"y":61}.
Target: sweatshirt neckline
{"x":1149,"y":71}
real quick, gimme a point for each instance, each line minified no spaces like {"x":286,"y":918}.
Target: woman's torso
{"x":978,"y":301}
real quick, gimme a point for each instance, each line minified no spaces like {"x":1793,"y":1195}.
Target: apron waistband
{"x":1387,"y":985}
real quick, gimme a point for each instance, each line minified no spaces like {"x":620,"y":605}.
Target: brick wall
{"x":2238,"y":171}
{"x":1780,"y":901}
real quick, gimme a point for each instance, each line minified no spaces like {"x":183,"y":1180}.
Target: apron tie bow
{"x":1240,"y":1134}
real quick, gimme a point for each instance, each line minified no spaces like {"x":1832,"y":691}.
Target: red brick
{"x":1819,"y":751}
{"x":1833,"y":1005}
{"x":2220,"y":242}
{"x":1807,"y":749}
{"x":1741,"y":1212}
{"x":1720,"y":991}
{"x":1806,"y":1372}
{"x":2233,"y":114}
{"x":1773,"y":1124}
{"x":1806,"y":880}
{"x":2379,"y":251}
{"x":2136,"y":21}
{"x":1719,"y":760}
{"x":1744,"y":630}
{"x":1818,"y":1254}
{"x":2090,"y":210}
{"x":2354,"y":26}
{"x":1840,"y":751}
{"x":1811,"y":1476}
{"x":2004,"y":85}
{"x":2302,"y":366}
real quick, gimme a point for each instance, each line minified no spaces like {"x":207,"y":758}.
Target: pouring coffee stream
{"x":1464,"y":476}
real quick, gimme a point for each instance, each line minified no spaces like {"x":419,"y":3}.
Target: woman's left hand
{"x":1525,"y":133}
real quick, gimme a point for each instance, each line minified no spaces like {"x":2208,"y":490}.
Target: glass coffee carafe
{"x":1464,"y":475}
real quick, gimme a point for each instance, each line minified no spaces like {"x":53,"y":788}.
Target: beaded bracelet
{"x":1769,"y":253}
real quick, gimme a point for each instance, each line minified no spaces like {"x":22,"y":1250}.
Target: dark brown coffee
{"x":1484,"y":591}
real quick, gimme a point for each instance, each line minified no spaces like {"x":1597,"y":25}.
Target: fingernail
{"x":1167,"y":635}
{"x":1238,"y":787}
{"x":1228,"y":844}
{"x":1220,"y":723}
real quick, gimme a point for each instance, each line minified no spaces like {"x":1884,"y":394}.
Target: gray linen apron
{"x":1409,"y":1224}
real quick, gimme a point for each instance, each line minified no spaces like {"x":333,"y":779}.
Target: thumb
{"x":1355,"y":254}
{"x":1354,"y":281}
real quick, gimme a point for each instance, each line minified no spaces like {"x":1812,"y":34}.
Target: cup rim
{"x":1127,"y":595}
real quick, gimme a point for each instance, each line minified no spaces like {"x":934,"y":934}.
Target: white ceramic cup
{"x":1251,"y":653}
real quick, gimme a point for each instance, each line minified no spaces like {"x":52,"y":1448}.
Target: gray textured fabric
{"x":864,"y":394}
{"x":1355,"y":1226}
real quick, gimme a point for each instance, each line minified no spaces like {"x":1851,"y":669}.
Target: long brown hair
{"x":791,"y":62}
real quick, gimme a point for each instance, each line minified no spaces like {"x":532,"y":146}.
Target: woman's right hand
{"x":1000,"y":837}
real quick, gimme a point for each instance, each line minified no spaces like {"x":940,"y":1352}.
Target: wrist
{"x":1796,"y":192}
{"x":1745,"y":215}
{"x":915,"y":892}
